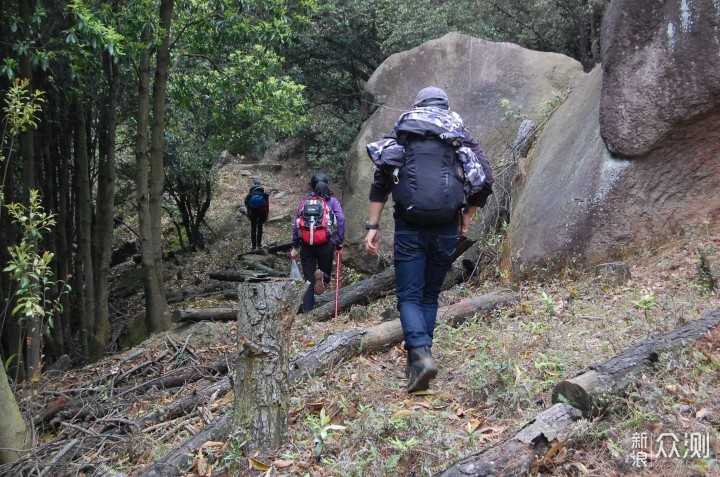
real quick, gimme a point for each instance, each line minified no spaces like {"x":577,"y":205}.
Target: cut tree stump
{"x":515,"y":456}
{"x":587,"y":390}
{"x":262,"y":381}
{"x":342,"y":346}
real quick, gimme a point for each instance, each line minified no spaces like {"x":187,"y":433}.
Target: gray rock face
{"x":661,"y":63}
{"x":581,"y":205}
{"x":476,"y":75}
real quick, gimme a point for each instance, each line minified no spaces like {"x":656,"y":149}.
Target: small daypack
{"x":257,"y":198}
{"x":316,"y":221}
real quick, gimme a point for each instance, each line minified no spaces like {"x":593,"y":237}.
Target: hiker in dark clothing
{"x":257,"y":203}
{"x":423,"y":253}
{"x":318,"y":242}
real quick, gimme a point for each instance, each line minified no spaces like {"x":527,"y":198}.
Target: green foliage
{"x":331,"y":140}
{"x":548,"y":304}
{"x":705,"y":276}
{"x":550,"y":105}
{"x":646,"y":303}
{"x":407,"y":24}
{"x":510,"y":112}
{"x":91,"y":29}
{"x":570,"y":28}
{"x":30,"y":268}
{"x":236,"y":452}
{"x":322,"y":429}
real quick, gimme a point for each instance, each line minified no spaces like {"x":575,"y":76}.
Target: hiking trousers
{"x":313,"y":257}
{"x":257,"y":219}
{"x":423,"y":256}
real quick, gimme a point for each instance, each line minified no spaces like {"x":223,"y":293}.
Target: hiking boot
{"x":319,"y":282}
{"x":421,"y":369}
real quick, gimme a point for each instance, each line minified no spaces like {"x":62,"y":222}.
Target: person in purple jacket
{"x":317,"y":260}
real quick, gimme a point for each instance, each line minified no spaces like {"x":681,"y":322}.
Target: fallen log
{"x":236,"y":276}
{"x":342,"y":346}
{"x":516,"y":455}
{"x":586,"y":390}
{"x":181,"y":459}
{"x":193,"y":315}
{"x":228,"y":294}
{"x":361,"y":292}
{"x":284,"y":247}
{"x":269,"y":271}
{"x":376,"y":286}
{"x":186,"y":404}
{"x":459,"y":312}
{"x":83,"y":408}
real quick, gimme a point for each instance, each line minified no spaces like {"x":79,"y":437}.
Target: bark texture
{"x":515,"y":456}
{"x":262,"y":381}
{"x":13,"y":433}
{"x":586,"y":390}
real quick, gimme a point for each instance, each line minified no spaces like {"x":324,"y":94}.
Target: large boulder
{"x":580,"y":205}
{"x":476,"y":75}
{"x":661,"y":71}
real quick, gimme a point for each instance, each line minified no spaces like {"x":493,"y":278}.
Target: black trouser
{"x":257,"y":219}
{"x":313,"y":257}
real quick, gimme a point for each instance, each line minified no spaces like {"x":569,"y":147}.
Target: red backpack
{"x":315,"y":221}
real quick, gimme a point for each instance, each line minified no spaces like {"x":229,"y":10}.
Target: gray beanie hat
{"x":256,"y":182}
{"x":431,"y":96}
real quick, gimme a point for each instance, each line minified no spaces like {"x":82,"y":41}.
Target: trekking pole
{"x":337,"y":283}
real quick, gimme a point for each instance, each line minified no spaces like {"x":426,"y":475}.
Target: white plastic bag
{"x":294,"y":270}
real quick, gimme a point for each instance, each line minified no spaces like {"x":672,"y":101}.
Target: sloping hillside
{"x":496,"y":373}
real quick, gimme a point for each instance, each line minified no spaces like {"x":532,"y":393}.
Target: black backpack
{"x":429,"y":187}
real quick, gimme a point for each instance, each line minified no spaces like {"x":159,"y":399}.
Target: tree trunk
{"x":55,"y":340}
{"x":157,"y":155}
{"x":516,"y":455}
{"x":13,"y":433}
{"x":262,"y":381}
{"x":586,"y":390}
{"x":104,"y":223}
{"x":155,"y":306}
{"x":33,"y":326}
{"x":64,"y":229}
{"x":95,"y":350}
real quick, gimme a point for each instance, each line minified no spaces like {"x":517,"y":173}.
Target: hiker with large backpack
{"x":438,"y":176}
{"x":319,"y":231}
{"x":257,"y":203}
